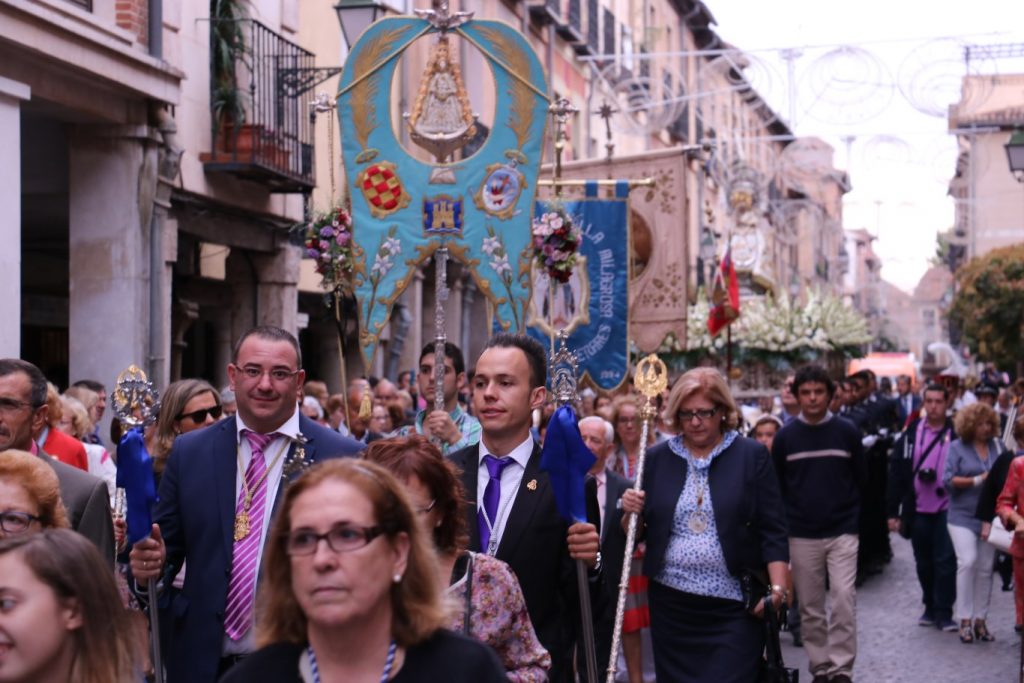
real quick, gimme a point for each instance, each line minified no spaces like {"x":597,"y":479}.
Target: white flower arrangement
{"x":778,"y":327}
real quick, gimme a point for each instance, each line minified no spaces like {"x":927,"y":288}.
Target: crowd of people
{"x":370,"y":535}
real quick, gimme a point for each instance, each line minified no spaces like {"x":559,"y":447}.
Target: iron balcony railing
{"x":260,"y":96}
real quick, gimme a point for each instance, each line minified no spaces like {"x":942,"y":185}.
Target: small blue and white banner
{"x":593,"y":306}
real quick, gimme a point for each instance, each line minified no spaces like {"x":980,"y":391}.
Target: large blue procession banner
{"x":593,"y":306}
{"x":403,"y":209}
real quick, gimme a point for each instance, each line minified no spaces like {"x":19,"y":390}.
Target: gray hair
{"x":609,"y":430}
{"x":312,"y":403}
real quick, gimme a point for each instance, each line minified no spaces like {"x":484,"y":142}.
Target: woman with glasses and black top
{"x":487,"y":601}
{"x":350,"y":590}
{"x":711,"y":512}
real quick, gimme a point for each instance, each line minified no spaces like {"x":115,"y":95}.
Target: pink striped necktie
{"x":245,"y":557}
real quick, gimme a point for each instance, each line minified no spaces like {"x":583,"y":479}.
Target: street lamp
{"x":355,"y":16}
{"x":1015,"y":154}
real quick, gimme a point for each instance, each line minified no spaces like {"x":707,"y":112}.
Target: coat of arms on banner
{"x":399,"y":217}
{"x":500,"y":190}
{"x":382,"y":189}
{"x":442,"y":215}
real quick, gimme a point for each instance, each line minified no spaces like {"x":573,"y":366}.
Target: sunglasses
{"x":199,"y":416}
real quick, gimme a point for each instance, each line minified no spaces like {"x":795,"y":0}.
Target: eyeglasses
{"x":13,"y":405}
{"x":701,"y":415}
{"x":428,"y":509}
{"x":623,"y":420}
{"x":341,"y":539}
{"x":277,"y":374}
{"x":14,"y":522}
{"x":199,"y":416}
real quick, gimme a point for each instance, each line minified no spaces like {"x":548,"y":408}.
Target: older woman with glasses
{"x":29,"y":495}
{"x":711,"y":512}
{"x":488,"y":601}
{"x":350,"y":590}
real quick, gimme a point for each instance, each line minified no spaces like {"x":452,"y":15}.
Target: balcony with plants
{"x":259,"y":103}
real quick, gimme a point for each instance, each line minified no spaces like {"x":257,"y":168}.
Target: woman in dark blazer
{"x":711,"y":510}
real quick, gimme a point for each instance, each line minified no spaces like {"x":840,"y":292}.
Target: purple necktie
{"x":492,"y":494}
{"x":244,"y":558}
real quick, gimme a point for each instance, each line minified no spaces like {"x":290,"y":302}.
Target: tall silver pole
{"x":440,"y":334}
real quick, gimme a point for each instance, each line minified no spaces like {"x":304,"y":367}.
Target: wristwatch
{"x":781,"y":591}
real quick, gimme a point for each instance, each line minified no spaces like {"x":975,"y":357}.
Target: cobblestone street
{"x":892,"y":648}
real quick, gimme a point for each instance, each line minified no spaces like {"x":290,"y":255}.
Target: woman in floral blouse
{"x":490,"y":604}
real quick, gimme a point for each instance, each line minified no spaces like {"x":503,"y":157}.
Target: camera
{"x":927,"y":475}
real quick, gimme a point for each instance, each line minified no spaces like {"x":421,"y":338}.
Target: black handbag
{"x":773,"y":669}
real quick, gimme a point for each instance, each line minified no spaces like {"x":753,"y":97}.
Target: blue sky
{"x":874,"y":78}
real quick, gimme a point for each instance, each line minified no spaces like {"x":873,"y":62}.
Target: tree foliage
{"x":988,"y":306}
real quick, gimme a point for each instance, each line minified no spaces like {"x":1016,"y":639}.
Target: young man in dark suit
{"x":510,"y":506}
{"x":217,"y":497}
{"x":23,"y":412}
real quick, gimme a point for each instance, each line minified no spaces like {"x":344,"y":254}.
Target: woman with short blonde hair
{"x":710,"y":383}
{"x":75,"y":420}
{"x":699,"y":493}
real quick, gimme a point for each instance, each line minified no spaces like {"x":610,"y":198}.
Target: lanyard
{"x":384,"y":677}
{"x":492,"y":543}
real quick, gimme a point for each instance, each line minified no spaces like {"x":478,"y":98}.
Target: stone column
{"x":277,"y":293}
{"x":113,"y":173}
{"x":223,"y":345}
{"x":12,"y":93}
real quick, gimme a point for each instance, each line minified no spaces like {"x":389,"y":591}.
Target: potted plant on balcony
{"x":233,"y":136}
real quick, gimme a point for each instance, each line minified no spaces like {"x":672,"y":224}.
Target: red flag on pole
{"x":725,"y":295}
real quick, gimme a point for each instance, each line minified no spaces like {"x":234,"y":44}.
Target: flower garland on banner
{"x":329,"y":244}
{"x":778,"y":332}
{"x":556,"y":241}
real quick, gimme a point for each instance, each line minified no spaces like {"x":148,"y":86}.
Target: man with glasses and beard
{"x":217,"y":497}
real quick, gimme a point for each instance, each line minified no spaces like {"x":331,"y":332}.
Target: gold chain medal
{"x":242,"y":524}
{"x":698,"y":521}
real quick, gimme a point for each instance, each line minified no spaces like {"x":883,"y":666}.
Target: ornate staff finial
{"x":135,"y":401}
{"x":651,"y":379}
{"x":564,"y":368}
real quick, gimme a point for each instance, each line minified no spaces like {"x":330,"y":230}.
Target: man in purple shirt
{"x":917,"y":499}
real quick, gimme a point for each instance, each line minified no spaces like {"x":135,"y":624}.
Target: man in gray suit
{"x":23,"y":411}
